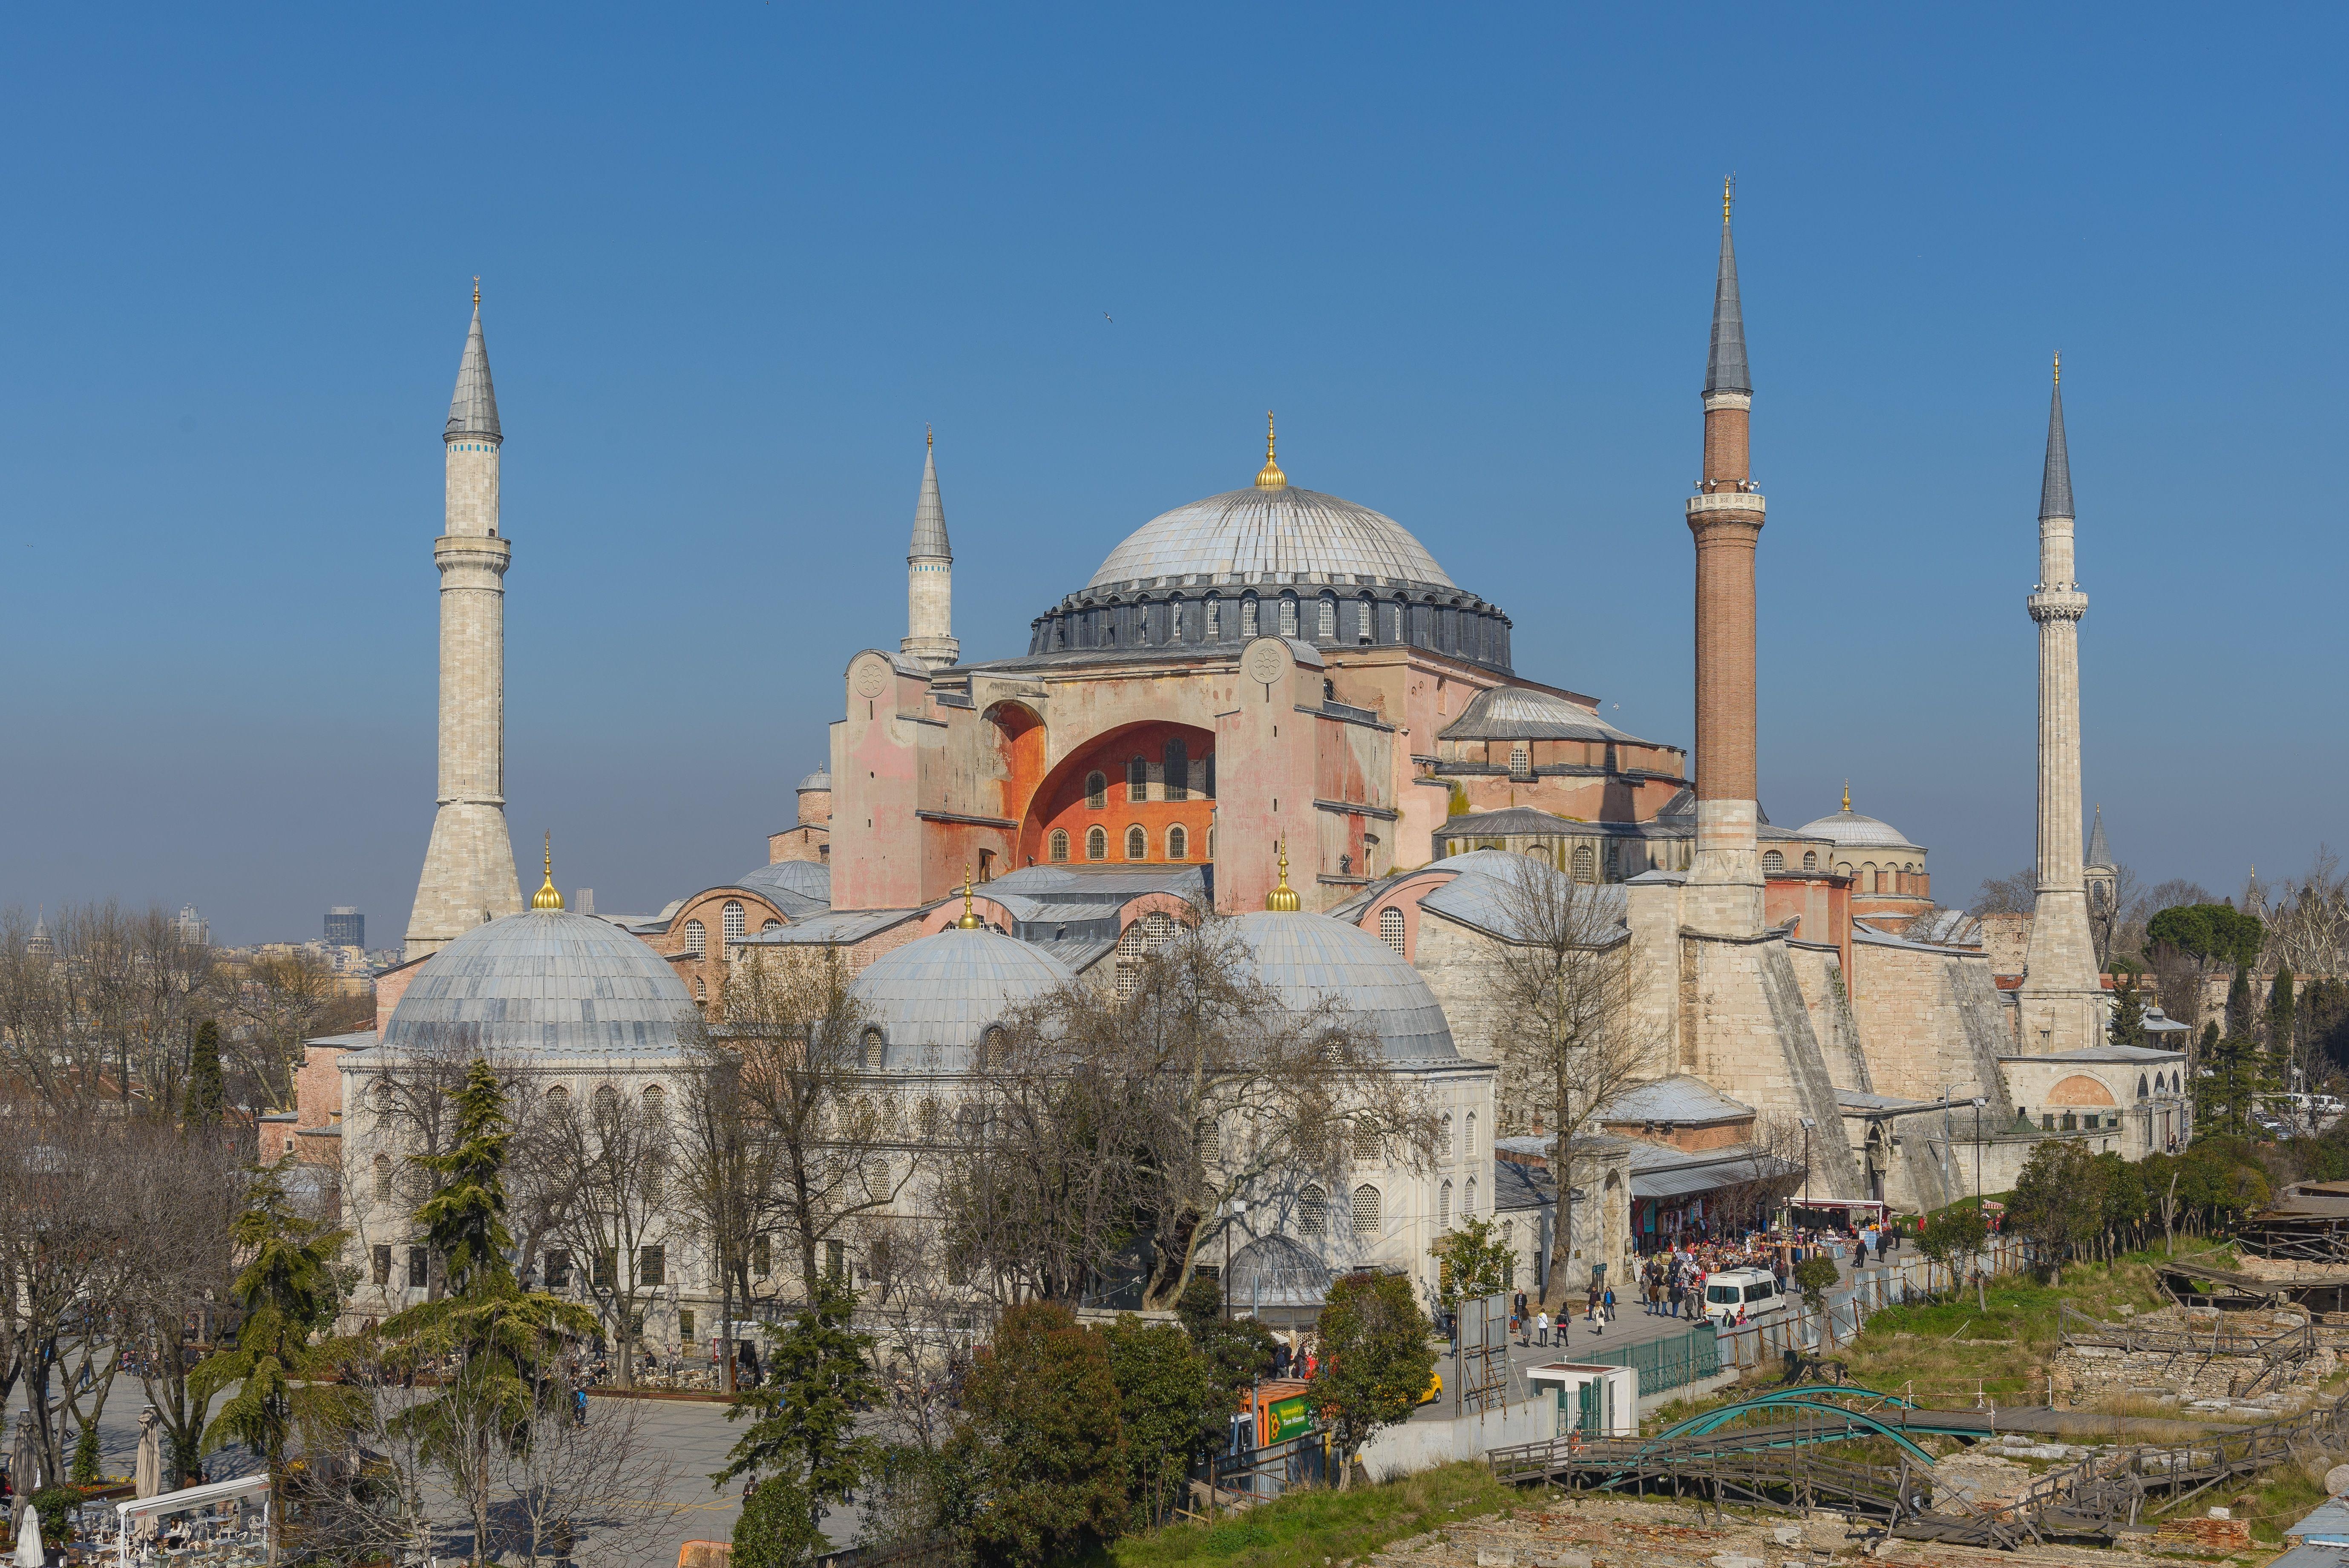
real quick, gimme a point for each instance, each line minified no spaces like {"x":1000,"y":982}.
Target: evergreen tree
{"x":2239,"y":1001}
{"x":1239,"y":1349}
{"x":2128,"y":1014}
{"x":803,"y":1433}
{"x":207,"y":1094}
{"x":499,"y":1338}
{"x":1173,"y":1408}
{"x":776,"y":1529}
{"x":2281,"y":1007}
{"x":1041,"y":1448}
{"x":1376,"y":1361}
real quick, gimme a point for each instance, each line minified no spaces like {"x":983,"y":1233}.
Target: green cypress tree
{"x":2239,"y":1001}
{"x":206,"y":1093}
{"x":2128,"y":1014}
{"x":2280,"y":1013}
{"x":804,"y":1431}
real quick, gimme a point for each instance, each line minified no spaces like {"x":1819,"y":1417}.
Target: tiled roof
{"x":839,"y":927}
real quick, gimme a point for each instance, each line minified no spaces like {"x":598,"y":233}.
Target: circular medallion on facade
{"x":1264,"y":661}
{"x":870,"y":678}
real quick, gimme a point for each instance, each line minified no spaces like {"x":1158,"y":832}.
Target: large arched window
{"x":1137,"y":779}
{"x":1177,"y":758}
{"x":1444,"y":1138}
{"x":1137,"y":843}
{"x":732,"y":919}
{"x":1468,"y":1200}
{"x":656,"y":1105}
{"x":1585,"y":864}
{"x":1313,"y":1212}
{"x":607,"y":1101}
{"x":1329,"y":618}
{"x":1157,"y":931}
{"x":1060,"y":846}
{"x":697,"y":938}
{"x":1130,"y":946}
{"x":1391,"y":928}
{"x":1178,"y":843}
{"x":1772,"y":860}
{"x":1367,"y":1221}
{"x":1096,"y":791}
{"x":558,"y":1100}
{"x":1096,"y":843}
{"x":1444,"y":1207}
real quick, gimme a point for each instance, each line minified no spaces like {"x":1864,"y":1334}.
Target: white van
{"x":1756,"y":1290}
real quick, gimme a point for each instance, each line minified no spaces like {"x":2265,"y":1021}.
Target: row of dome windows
{"x":732,"y":921}
{"x":1363,"y":620}
{"x":1369,"y":1211}
{"x":1137,"y":844}
{"x":1177,"y":765}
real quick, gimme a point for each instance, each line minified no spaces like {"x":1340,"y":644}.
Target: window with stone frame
{"x":1247,"y":617}
{"x":1772,"y":860}
{"x":1137,"y":843}
{"x":730,"y":920}
{"x":697,"y":938}
{"x":652,"y":1266}
{"x":1211,"y":1141}
{"x":1469,"y":1148}
{"x":1585,"y":864}
{"x":1132,"y":943}
{"x":1214,"y":620}
{"x":1369,"y":1146}
{"x":1288,"y":615}
{"x":1328,"y":632}
{"x":383,"y":1179}
{"x":875,"y":1048}
{"x":1444,"y":1137}
{"x":1175,"y":755}
{"x":1178,"y":843}
{"x":1468,"y":1200}
{"x":558,"y":1268}
{"x":1096,"y":843}
{"x":1391,"y":928}
{"x":1810,"y":860}
{"x":1313,"y":1211}
{"x":1058,"y":847}
{"x":1614,"y":860}
{"x":379,"y":1263}
{"x":1137,"y":779}
{"x":1444,"y":1207}
{"x":1521,"y":761}
{"x":770,"y":925}
{"x":1368,"y":1223}
{"x":1096,"y":792}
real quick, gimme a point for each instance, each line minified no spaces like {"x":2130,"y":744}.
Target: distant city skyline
{"x":732,"y":267}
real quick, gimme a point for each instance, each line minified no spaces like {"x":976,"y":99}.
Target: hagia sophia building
{"x":1276,"y":705}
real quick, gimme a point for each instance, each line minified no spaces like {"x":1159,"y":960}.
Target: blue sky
{"x":735,"y":258}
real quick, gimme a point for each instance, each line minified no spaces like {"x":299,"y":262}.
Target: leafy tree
{"x":777,"y":1529}
{"x":1814,"y":1276}
{"x":804,"y":1428}
{"x":2128,"y":1014}
{"x":1473,"y":1261}
{"x":288,"y":1292}
{"x":2233,"y":1074}
{"x":85,"y":1461}
{"x":2059,"y":1200}
{"x":1375,"y":1360}
{"x":1238,"y":1350}
{"x":499,"y":1338}
{"x":2213,"y":933}
{"x":1172,"y":1404}
{"x":1955,"y":1236}
{"x":206,"y":1093}
{"x":1041,"y":1448}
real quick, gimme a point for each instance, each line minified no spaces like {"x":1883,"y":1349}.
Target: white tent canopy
{"x":250,"y":1489}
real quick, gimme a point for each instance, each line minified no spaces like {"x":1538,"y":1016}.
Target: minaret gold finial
{"x":2059,"y":368}
{"x":969,"y":920}
{"x":929,"y":437}
{"x":1728,"y":195}
{"x":477,"y":291}
{"x":546,"y":897}
{"x":1283,"y":900}
{"x":1269,"y":477}
{"x":1847,"y":794}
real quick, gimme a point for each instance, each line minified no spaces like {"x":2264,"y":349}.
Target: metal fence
{"x":1665,"y":1363}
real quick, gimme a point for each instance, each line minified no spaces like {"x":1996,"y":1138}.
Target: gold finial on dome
{"x":1269,"y":477}
{"x":969,"y":920}
{"x":1847,"y":794}
{"x":546,"y":897}
{"x":1283,"y":900}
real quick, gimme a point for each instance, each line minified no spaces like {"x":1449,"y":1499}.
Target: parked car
{"x":1756,"y":1290}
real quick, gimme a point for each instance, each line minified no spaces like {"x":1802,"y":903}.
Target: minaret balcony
{"x":2058,"y":605}
{"x":1724,"y":500}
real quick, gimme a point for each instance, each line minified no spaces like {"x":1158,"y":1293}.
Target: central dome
{"x":1276,"y":529}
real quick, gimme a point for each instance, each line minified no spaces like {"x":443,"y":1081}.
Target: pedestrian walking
{"x":1606,"y":1308}
{"x":1541,"y":1326}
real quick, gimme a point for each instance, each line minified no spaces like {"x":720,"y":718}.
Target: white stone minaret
{"x":929,"y":575}
{"x":2062,"y":1001}
{"x":469,"y":868}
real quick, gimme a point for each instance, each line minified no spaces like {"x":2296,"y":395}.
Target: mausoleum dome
{"x":1851,"y":830}
{"x":1306,"y":957}
{"x":933,"y":998}
{"x":542,"y":980}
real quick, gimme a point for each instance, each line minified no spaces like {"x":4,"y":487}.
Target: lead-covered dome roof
{"x":1854,"y":831}
{"x":933,"y":998}
{"x":543,"y":980}
{"x":1278,"y":529}
{"x":1305,"y":958}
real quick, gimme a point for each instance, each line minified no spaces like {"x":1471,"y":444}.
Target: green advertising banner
{"x":1290,"y":1417}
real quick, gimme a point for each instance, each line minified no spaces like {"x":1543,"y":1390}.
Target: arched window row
{"x":1443,"y":620}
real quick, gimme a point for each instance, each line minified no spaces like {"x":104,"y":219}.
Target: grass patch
{"x":1303,"y":1528}
{"x":1939,"y":1349}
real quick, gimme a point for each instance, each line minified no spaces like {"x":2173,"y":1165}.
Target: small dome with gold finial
{"x":1283,"y":899}
{"x":1269,"y":477}
{"x":547,"y":897}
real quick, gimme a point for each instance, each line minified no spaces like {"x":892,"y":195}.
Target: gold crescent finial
{"x":969,"y":920}
{"x":1847,"y":794}
{"x":929,"y":437}
{"x":2059,"y":368}
{"x":1283,"y":899}
{"x":1728,"y":195}
{"x":546,"y":897}
{"x":1269,"y":477}
{"x":477,"y":289}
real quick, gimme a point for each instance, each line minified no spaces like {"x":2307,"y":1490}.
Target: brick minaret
{"x":929,"y":574}
{"x":1726,"y":516}
{"x":469,"y":868}
{"x":2062,"y":1001}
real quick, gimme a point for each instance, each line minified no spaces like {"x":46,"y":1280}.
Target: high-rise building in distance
{"x":346,"y":927}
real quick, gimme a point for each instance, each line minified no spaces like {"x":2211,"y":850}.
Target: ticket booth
{"x":1596,"y":1401}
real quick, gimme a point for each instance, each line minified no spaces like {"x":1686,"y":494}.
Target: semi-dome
{"x":1282,"y":530}
{"x":1305,"y":958}
{"x":798,"y":888}
{"x":933,"y":998}
{"x":543,"y":980}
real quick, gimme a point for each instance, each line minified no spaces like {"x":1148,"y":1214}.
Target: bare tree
{"x":596,"y":1492}
{"x":101,"y":1007}
{"x":613,"y":1160}
{"x":728,"y":1159}
{"x":1771,"y":1171}
{"x":2308,"y":924}
{"x":2118,"y":921}
{"x":2017,"y":893}
{"x":1569,"y":973}
{"x":276,"y":1003}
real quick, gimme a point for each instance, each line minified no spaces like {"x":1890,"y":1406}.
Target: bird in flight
{"x":1108,"y":318}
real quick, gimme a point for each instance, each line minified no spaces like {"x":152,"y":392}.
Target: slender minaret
{"x":1726,"y":516}
{"x":929,"y":574}
{"x":469,"y":868}
{"x":2061,"y":1000}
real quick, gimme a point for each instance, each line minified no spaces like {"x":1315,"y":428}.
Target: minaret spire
{"x":2056,"y":479}
{"x":929,"y":573}
{"x":469,"y":866}
{"x":1724,"y":368}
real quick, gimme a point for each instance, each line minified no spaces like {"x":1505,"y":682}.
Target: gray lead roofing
{"x":929,"y":515}
{"x":2100,"y":853}
{"x":1724,"y":368}
{"x":473,"y":411}
{"x":1283,"y":529}
{"x":542,"y":980}
{"x":2055,"y":483}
